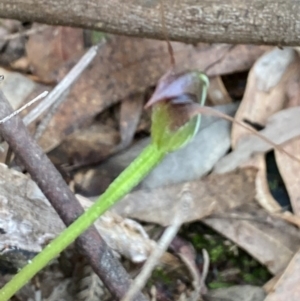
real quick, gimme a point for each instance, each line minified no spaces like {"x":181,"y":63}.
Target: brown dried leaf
{"x":91,"y":145}
{"x":280,"y":128}
{"x":130,"y":114}
{"x":289,"y":169}
{"x":124,"y":236}
{"x":236,"y":293}
{"x":11,"y":49}
{"x":215,"y":193}
{"x":264,"y":96}
{"x":265,"y":91}
{"x":217,"y":92}
{"x":273,"y":83}
{"x":269,"y":285}
{"x":287,"y":287}
{"x":49,"y":49}
{"x":267,"y":238}
{"x":263,"y":194}
{"x":290,"y":217}
{"x":232,"y":58}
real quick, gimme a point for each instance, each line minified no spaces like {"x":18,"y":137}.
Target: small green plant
{"x":97,"y":37}
{"x":225,"y":256}
{"x":172,"y":128}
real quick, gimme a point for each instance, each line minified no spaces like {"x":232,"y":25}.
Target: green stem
{"x":127,"y":180}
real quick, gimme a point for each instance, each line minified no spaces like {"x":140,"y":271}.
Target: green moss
{"x":216,"y":284}
{"x":161,"y":276}
{"x":225,"y":256}
{"x":97,"y":37}
{"x":217,"y":253}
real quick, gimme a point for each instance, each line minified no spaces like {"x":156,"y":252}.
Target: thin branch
{"x":63,"y":200}
{"x":228,"y":21}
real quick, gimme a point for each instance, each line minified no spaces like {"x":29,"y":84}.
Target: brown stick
{"x":214,"y":21}
{"x":49,"y":180}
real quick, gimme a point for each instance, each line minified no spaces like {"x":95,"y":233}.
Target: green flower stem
{"x":127,"y":180}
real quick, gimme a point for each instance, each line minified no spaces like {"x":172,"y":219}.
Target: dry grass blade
{"x":39,"y":97}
